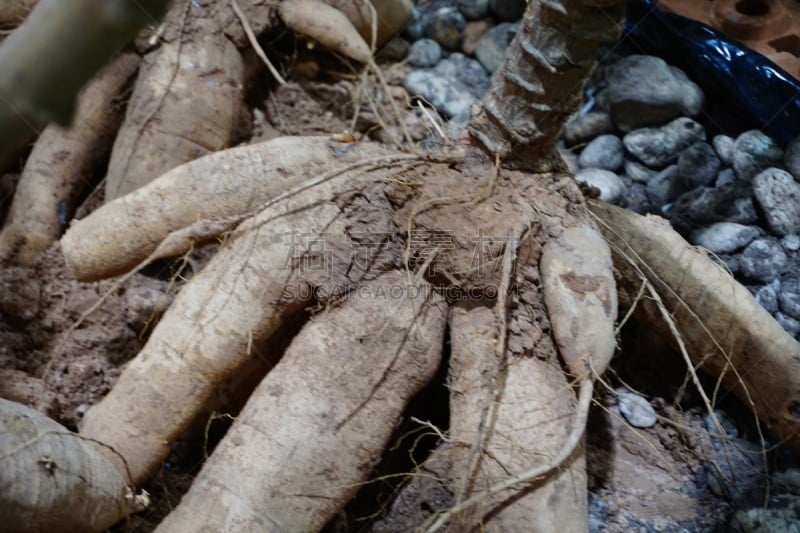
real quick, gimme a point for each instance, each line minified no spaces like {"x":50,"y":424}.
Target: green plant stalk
{"x":61,"y":45}
{"x":14,"y":12}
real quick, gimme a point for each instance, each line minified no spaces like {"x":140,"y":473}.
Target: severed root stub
{"x":53,"y":480}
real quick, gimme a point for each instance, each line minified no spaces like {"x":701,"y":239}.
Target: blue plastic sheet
{"x":744,"y":89}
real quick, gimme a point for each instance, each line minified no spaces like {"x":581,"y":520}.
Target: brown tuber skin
{"x":516,"y":436}
{"x":244,"y":178}
{"x":327,"y":25}
{"x":322,"y":416}
{"x":580,"y":295}
{"x":53,"y":480}
{"x":179,"y":371}
{"x":226,"y":315}
{"x":244,"y":285}
{"x":392,"y":17}
{"x":169,"y":121}
{"x":61,"y":164}
{"x":728,"y":333}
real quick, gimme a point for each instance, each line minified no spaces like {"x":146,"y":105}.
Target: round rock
{"x":788,"y":323}
{"x":570,"y":159}
{"x":730,"y":262}
{"x":720,"y":418}
{"x":635,"y":198}
{"x":636,"y":410}
{"x":658,"y":147}
{"x":791,"y":243}
{"x":724,"y":148}
{"x":491,"y":49}
{"x":415,"y":28}
{"x":474,"y":9}
{"x":448,"y":95}
{"x":731,"y":203}
{"x":698,"y":165}
{"x":767,"y":296}
{"x":778,"y":194}
{"x":605,"y":151}
{"x":787,"y":479}
{"x":644,"y":91}
{"x":726,"y":176}
{"x":782,"y":514}
{"x":466,"y":70}
{"x":792,"y":158}
{"x":445,"y":26}
{"x":473,"y":32}
{"x":586,"y":127}
{"x":507,"y":10}
{"x":637,"y":171}
{"x":609,"y":184}
{"x":763,"y":260}
{"x":663,"y":188}
{"x":394,"y":51}
{"x":789,"y":297}
{"x":753,"y":152}
{"x":599,"y":512}
{"x":724,"y":237}
{"x":424,"y":53}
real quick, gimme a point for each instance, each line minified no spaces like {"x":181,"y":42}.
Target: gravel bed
{"x":642,"y":138}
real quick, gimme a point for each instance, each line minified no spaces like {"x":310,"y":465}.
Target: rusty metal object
{"x":771,"y":27}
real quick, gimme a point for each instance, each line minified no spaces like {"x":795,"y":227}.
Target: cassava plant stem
{"x":539,"y":83}
{"x":47,"y":60}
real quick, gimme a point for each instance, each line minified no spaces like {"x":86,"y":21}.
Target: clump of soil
{"x":50,"y":358}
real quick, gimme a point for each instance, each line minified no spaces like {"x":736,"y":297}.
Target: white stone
{"x":636,"y":410}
